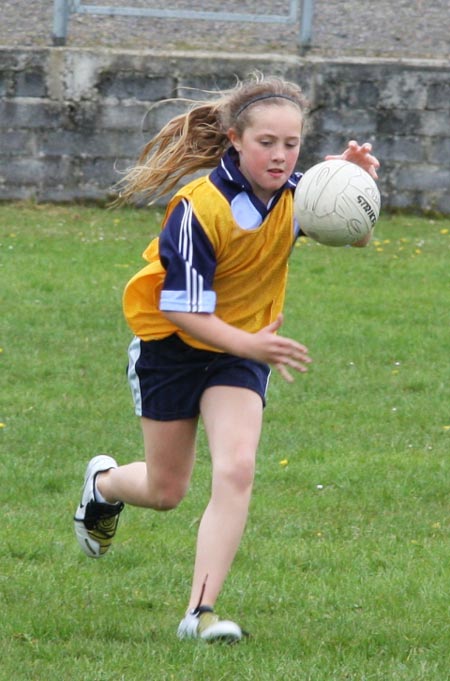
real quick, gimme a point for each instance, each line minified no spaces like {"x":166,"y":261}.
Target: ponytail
{"x":197,"y":139}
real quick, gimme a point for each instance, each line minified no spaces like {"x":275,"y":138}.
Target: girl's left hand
{"x":359,"y":154}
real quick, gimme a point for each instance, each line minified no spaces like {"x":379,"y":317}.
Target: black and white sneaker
{"x":95,"y":522}
{"x":203,"y":623}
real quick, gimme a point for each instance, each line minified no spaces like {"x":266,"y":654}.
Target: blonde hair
{"x":197,"y":139}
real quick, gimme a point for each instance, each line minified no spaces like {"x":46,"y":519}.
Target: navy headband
{"x":261,"y":98}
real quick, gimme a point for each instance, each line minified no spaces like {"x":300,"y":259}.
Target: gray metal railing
{"x":62,"y":9}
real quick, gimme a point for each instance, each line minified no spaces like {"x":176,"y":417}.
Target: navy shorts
{"x":168,"y":377}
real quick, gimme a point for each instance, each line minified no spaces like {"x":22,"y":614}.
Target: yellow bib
{"x":251,"y":273}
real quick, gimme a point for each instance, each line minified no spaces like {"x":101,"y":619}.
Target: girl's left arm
{"x":362,"y":156}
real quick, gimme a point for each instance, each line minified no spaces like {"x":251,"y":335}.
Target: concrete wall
{"x":71,"y":119}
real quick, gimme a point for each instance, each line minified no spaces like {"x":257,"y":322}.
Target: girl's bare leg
{"x":233,"y":420}
{"x":161,"y":481}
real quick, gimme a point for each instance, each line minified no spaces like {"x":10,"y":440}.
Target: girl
{"x":205,"y":313}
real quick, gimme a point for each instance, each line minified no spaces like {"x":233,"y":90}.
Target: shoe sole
{"x":224,"y":631}
{"x":90,"y":547}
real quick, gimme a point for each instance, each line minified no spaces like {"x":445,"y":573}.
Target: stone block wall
{"x":71,"y":120}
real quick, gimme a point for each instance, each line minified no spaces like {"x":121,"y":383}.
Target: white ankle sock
{"x":97,"y":494}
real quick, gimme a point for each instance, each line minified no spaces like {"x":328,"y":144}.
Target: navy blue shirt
{"x":186,"y":252}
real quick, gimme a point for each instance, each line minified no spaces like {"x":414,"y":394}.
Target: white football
{"x":336,"y":203}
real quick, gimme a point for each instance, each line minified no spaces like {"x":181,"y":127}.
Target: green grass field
{"x":344,"y":570}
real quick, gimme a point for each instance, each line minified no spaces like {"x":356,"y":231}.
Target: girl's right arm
{"x":188,"y":299}
{"x":264,"y":346}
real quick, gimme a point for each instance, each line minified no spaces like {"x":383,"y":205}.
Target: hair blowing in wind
{"x":197,"y":138}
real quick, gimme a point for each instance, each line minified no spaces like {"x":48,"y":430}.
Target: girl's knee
{"x":166,"y":497}
{"x":238,"y":474}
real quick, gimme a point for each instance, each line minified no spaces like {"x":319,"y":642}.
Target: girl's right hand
{"x":263,"y":346}
{"x":279,"y":351}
